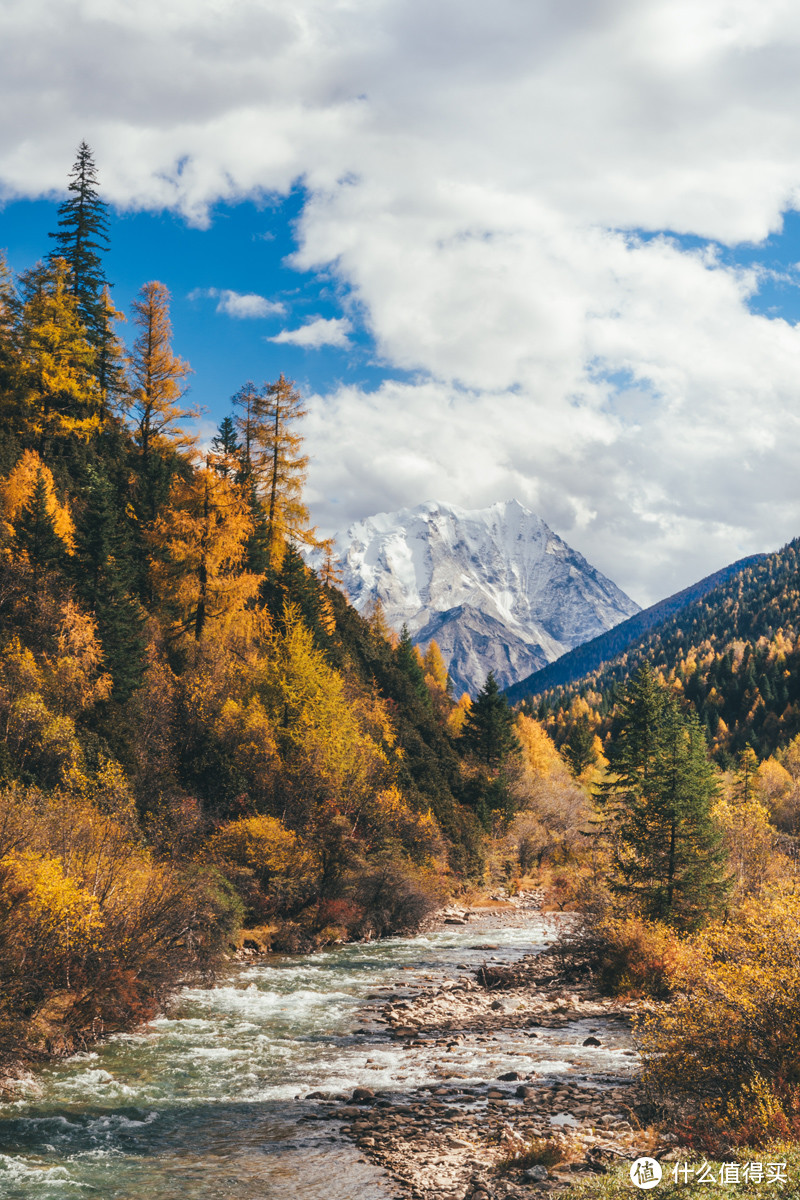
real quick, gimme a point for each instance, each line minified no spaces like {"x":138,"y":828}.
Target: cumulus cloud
{"x":314,"y":334}
{"x":485,"y":181}
{"x":243,"y":305}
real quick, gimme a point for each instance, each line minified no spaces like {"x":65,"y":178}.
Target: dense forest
{"x":196,"y":730}
{"x":734,"y":654}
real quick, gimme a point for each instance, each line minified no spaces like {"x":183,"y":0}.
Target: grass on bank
{"x":617,"y":1183}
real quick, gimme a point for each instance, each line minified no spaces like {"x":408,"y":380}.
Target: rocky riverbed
{"x":523,"y":1055}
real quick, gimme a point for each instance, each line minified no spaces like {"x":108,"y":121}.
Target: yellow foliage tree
{"x":456,"y":719}
{"x":17,"y":489}
{"x":750,"y":840}
{"x":202,"y":539}
{"x":263,"y":846}
{"x":59,"y":393}
{"x":538,"y":747}
{"x":337,"y":745}
{"x":437,"y":680}
{"x":157,"y":388}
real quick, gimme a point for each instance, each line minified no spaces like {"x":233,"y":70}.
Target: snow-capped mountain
{"x":495,"y":587}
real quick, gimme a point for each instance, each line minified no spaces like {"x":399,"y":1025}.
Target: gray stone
{"x":535,"y":1174}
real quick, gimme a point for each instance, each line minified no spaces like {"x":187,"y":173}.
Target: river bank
{"x":523,"y":1053}
{"x":245,"y":1089}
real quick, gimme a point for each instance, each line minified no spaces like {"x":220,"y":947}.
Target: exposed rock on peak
{"x":495,"y":587}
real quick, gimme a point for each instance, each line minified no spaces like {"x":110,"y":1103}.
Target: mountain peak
{"x":495,"y":586}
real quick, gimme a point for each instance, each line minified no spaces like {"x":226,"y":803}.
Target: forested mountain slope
{"x":590,"y":656}
{"x":196,"y":729}
{"x":734,"y":653}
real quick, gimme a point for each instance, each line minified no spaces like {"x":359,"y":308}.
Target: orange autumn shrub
{"x":625,"y":955}
{"x":90,"y":919}
{"x":727,"y":1049}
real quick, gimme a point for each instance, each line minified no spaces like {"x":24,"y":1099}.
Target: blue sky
{"x":556,"y":243}
{"x":243,"y":249}
{"x":246,"y":248}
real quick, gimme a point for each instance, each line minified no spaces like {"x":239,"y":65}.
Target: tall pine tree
{"x":81,"y":239}
{"x":489,"y":726}
{"x":668,"y":851}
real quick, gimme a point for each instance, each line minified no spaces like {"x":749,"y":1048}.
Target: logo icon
{"x":646,"y":1173}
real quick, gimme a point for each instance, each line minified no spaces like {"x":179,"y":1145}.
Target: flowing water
{"x":208,"y":1103}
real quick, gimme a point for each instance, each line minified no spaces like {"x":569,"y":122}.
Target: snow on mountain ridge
{"x":501,"y":588}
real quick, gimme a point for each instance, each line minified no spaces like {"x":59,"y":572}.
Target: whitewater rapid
{"x":208,"y":1103}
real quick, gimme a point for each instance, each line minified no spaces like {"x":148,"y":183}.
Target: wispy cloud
{"x":242,"y":305}
{"x":317,"y":333}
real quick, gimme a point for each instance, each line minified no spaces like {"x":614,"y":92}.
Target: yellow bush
{"x":636,"y":957}
{"x":62,"y":918}
{"x":273,"y":855}
{"x":87,"y":913}
{"x":732,"y":1034}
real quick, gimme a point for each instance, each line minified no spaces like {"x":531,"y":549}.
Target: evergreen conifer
{"x":407,"y":659}
{"x":81,"y":239}
{"x":225,"y":443}
{"x":489,"y":726}
{"x":35,"y":536}
{"x":104,"y":578}
{"x":669,"y":856}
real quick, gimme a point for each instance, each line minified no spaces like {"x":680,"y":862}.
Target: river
{"x":208,"y":1103}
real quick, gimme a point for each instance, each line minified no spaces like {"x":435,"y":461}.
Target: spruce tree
{"x":35,"y":537}
{"x":668,"y":853}
{"x":295,"y":584}
{"x":225,"y":443}
{"x":257,"y":548}
{"x":104,"y":578}
{"x":579,"y":749}
{"x":406,"y":657}
{"x":81,"y":239}
{"x":489,"y":726}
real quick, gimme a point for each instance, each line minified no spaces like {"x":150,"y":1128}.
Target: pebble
{"x":443,"y":1140}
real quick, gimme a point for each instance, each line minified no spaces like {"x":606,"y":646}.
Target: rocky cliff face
{"x":495,"y":587}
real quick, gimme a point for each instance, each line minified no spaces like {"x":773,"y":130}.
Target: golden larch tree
{"x":158,"y":377}
{"x":58,"y":389}
{"x":202,"y":536}
{"x":272,"y":453}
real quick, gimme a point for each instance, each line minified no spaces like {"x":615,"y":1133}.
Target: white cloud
{"x":238,"y":304}
{"x":317,"y":333}
{"x":472,"y":172}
